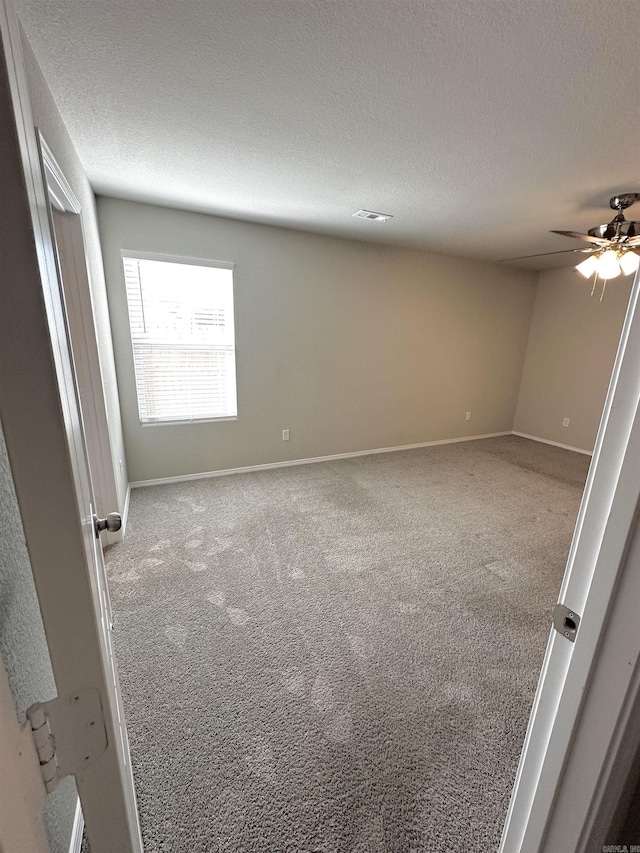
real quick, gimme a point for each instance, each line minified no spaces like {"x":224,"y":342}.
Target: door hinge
{"x":566,"y":621}
{"x":69,"y":734}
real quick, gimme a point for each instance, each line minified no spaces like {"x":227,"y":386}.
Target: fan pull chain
{"x":604,"y":287}
{"x":595,"y":279}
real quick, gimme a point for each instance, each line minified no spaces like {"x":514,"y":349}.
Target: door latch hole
{"x":570,"y":624}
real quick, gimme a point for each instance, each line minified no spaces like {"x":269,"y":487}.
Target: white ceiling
{"x":479,"y":124}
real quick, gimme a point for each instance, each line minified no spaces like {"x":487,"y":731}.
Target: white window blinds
{"x":181,"y":317}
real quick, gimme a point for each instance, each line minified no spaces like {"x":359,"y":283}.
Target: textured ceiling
{"x":479,"y":125}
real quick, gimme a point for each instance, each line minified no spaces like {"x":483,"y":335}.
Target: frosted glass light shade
{"x":629,"y":262}
{"x":586,"y":268}
{"x":608,"y":266}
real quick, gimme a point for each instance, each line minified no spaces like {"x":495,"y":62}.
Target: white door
{"x":580,"y":741}
{"x":42,"y":423}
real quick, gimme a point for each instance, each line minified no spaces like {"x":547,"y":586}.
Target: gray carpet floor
{"x":340,"y":657}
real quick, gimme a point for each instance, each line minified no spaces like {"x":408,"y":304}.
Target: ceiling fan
{"x":615,"y":247}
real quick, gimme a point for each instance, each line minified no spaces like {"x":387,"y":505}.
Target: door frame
{"x":69,"y":239}
{"x":36,"y":441}
{"x":41,"y":423}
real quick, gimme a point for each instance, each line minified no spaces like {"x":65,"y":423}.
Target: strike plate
{"x":566,"y":621}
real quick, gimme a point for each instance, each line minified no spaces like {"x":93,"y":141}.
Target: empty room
{"x":346,"y":291}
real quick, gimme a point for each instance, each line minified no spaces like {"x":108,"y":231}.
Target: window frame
{"x":137,"y":255}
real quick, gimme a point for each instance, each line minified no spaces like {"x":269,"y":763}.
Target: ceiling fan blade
{"x":599,"y":241}
{"x":632,"y":241}
{"x":544,"y":254}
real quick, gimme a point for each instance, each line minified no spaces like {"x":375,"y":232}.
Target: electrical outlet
{"x":285,"y":435}
{"x":565,"y":422}
{"x":467,"y":417}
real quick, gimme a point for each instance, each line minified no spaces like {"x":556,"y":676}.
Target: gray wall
{"x":570,"y":355}
{"x":351,"y":346}
{"x":23,"y":645}
{"x":47,"y":118}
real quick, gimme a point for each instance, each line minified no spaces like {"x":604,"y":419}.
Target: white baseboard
{"x":270,"y":465}
{"x":78,"y":830}
{"x":554,"y":443}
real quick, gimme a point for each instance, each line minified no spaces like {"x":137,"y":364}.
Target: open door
{"x":583,"y":733}
{"x":42,"y":421}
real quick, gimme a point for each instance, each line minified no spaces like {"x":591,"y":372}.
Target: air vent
{"x":371,"y":214}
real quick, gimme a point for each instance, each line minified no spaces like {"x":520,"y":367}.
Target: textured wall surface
{"x":23,"y":645}
{"x":571,"y":350}
{"x":47,"y":118}
{"x":350,"y":346}
{"x":444,"y":113}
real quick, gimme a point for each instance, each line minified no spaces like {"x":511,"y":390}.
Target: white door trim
{"x":61,"y":195}
{"x":71,"y":256}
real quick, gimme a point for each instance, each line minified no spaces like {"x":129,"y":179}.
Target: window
{"x":181,"y":318}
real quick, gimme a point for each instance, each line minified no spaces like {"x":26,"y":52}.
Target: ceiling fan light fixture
{"x":608,"y":265}
{"x":588,"y":267}
{"x":629,"y":263}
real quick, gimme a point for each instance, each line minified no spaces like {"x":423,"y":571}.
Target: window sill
{"x":183,"y":423}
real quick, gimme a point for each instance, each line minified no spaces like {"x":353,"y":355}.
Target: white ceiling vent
{"x":371,"y":214}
